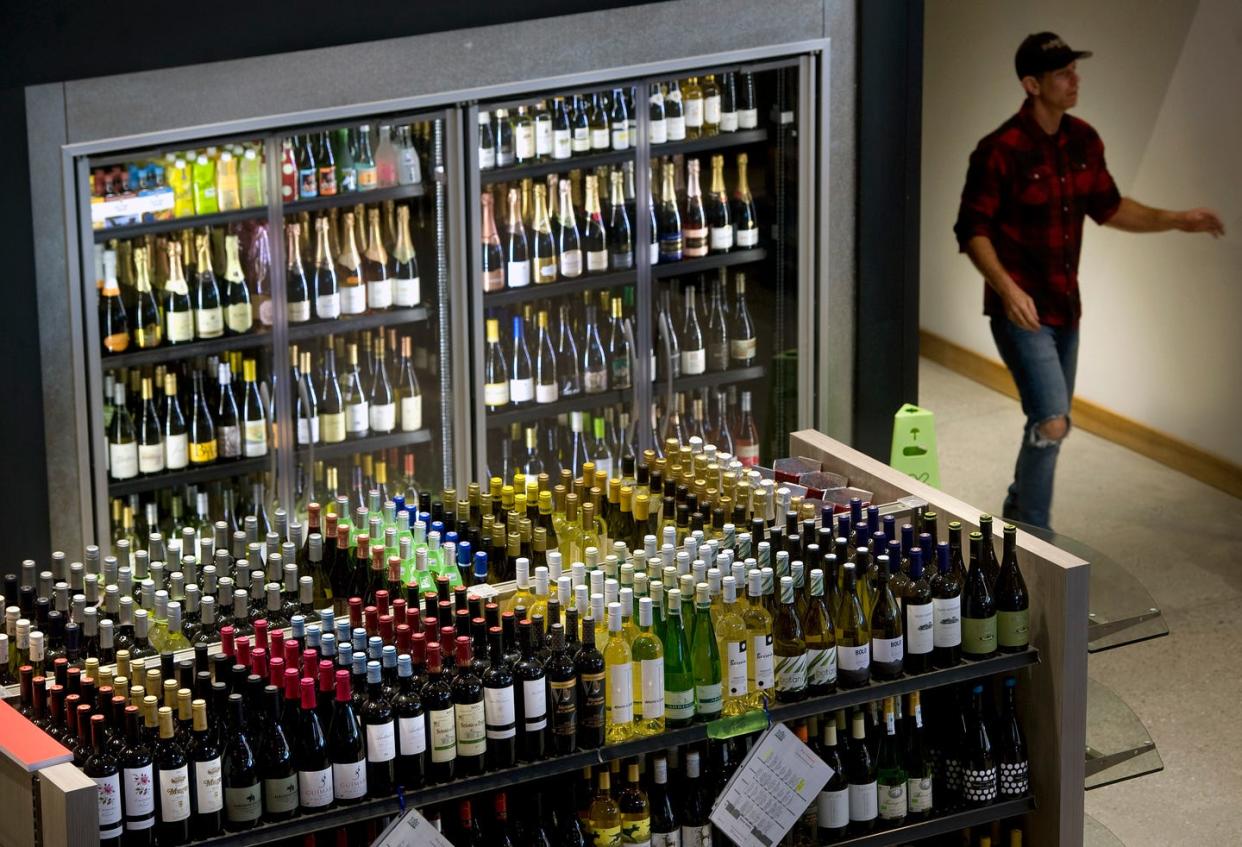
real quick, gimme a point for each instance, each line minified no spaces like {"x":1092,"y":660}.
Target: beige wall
{"x":1161,"y":335}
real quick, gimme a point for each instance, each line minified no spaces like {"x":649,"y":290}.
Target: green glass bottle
{"x":760,"y":670}
{"x":705,"y":658}
{"x":1013,"y":604}
{"x":789,"y":647}
{"x":619,"y":668}
{"x":978,"y":607}
{"x":890,"y":772}
{"x":649,"y":677}
{"x":888,"y":645}
{"x":678,"y":671}
{"x":733,"y":638}
{"x":853,"y":632}
{"x":821,"y":640}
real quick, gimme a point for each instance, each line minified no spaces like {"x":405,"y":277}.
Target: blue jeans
{"x":1043,"y":365}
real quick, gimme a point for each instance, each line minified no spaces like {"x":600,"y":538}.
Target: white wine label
{"x":711,"y":109}
{"x":471,"y":729}
{"x":747,"y":237}
{"x":735,"y":653}
{"x":308,"y":430}
{"x":239,"y":317}
{"x":280,"y":795}
{"x":888,"y":649}
{"x":666,"y":839}
{"x":854,"y":658}
{"x":562,"y":144}
{"x":315,"y":788}
{"x":328,"y":306}
{"x":651,"y":678}
{"x":487,"y":157}
{"x":747,"y":453}
{"x":747,"y":118}
{"x":571,"y":263}
{"x":405,"y":292}
{"x":443,"y":735}
{"x":708,"y":700}
{"x":600,"y":139}
{"x":543,"y":138}
{"x":694,"y":112}
{"x":180,"y":326}
{"x":919,"y":794}
{"x":892,"y":805}
{"x":919,"y":625}
{"x":349,"y":779}
{"x":524,"y":142}
{"x":593,"y":382}
{"x":254,"y":438}
{"x":332,"y":426}
{"x":109,"y":804}
{"x":412,"y":735}
{"x":791,"y":672}
{"x":123,"y":460}
{"x":821,"y":667}
{"x":620,"y":138}
{"x":177,"y":449}
{"x":174,"y":794}
{"x":693,"y":362}
{"x":833,"y":809}
{"x":947,"y":627}
{"x":208,"y":796}
{"x":139,"y":784}
{"x":245,"y":804}
{"x":379,"y":293}
{"x":500,"y":713}
{"x":381,"y":742}
{"x":728,"y":121}
{"x":151,"y":458}
{"x":764,"y":664}
{"x":298,"y":311}
{"x":658,"y":131}
{"x":546,"y":393}
{"x":581,"y":140}
{"x":357,"y":417}
{"x":620,"y":702}
{"x":676,"y":128}
{"x":722,"y":237}
{"x":535,"y":704}
{"x":496,"y":394}
{"x":209,"y":323}
{"x":696,"y":836}
{"x":384,"y":417}
{"x":864,"y":802}
{"x":353,"y":300}
{"x":597,"y":260}
{"x":522,"y":390}
{"x":743,"y":348}
{"x":411,"y":413}
{"x":518,"y":274}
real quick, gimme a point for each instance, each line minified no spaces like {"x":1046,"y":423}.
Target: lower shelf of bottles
{"x":713,"y":379}
{"x":538,"y":411}
{"x":370,"y":809}
{"x":370,"y":444}
{"x":191,"y":476}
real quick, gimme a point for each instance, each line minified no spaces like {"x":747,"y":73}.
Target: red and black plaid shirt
{"x":1028,"y":191}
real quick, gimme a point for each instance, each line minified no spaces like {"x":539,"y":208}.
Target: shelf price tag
{"x":771,"y":789}
{"x":410,"y":829}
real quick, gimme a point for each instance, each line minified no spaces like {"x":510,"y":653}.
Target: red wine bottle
{"x":275,"y":761}
{"x":532,"y":705}
{"x":468,"y":711}
{"x":137,"y":782}
{"x":381,"y":732}
{"x":437,"y":699}
{"x":243,"y":804}
{"x":345,"y":746}
{"x":407,"y":707}
{"x":310,"y":753}
{"x":101,"y":766}
{"x":172,"y":775}
{"x":207,"y":765}
{"x":498,"y":705}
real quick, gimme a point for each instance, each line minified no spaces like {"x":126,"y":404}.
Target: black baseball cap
{"x":1043,"y":52}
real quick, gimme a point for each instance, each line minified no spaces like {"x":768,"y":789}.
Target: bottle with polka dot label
{"x":1012,"y":765}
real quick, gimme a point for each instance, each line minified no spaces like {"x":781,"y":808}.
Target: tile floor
{"x":1179,"y":537}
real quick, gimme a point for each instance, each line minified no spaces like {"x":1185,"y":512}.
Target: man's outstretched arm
{"x":1133,"y":216}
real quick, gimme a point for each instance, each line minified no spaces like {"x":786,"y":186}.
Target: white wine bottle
{"x":147,"y":322}
{"x":176,"y":436}
{"x":495,"y":372}
{"x":254,"y":416}
{"x":331,"y":403}
{"x":150,"y":433}
{"x":383,"y":402}
{"x":238,"y":315}
{"x":547,"y":389}
{"x":178,"y":313}
{"x":409,"y":394}
{"x":208,"y":308}
{"x":357,"y":411}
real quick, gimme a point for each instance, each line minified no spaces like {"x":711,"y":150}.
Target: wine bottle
{"x":346,"y":747}
{"x":310,"y":753}
{"x":208,"y":307}
{"x":205,"y":758}
{"x":594,"y":240}
{"x":745,"y":223}
{"x":760,"y":670}
{"x":917,"y":762}
{"x":406,"y":291}
{"x":696,"y":805}
{"x":254,"y":415}
{"x":665,"y":830}
{"x":887,"y":637}
{"x":202,"y":428}
{"x":1013,"y":767}
{"x":693,"y":347}
{"x":547,"y":388}
{"x":919,"y":617}
{"x":243,"y":802}
{"x":178,"y":310}
{"x":375,"y":266}
{"x":711,"y":105}
{"x":790,"y":648}
{"x":978,"y":607}
{"x":821,"y":640}
{"x":694,"y":223}
{"x":743,"y":342}
{"x":521,"y":373}
{"x":138,"y":781}
{"x":101,"y":766}
{"x":469,"y":713}
{"x":619,"y":357}
{"x":382,"y":403}
{"x":113,"y":319}
{"x":353,"y":290}
{"x":692,"y":98}
{"x":364,"y":163}
{"x":853,"y":633}
{"x":568,"y":241}
{"x":487,"y":142}
{"x":604,"y":815}
{"x":495,"y":372}
{"x":947,"y":611}
{"x":331,"y":402}
{"x":492,"y":265}
{"x":991,"y":566}
{"x":978,"y":758}
{"x":238,"y":316}
{"x":1013,"y":616}
{"x":657,"y":125}
{"x":734,"y":640}
{"x":148,"y":327}
{"x":668,"y":218}
{"x":437,"y":699}
{"x":590,"y":667}
{"x":705,"y":658}
{"x":407,"y":708}
{"x":357,"y":408}
{"x":860,"y":771}
{"x":298,"y":298}
{"x":891,"y":776}
{"x":543,"y":246}
{"x":832,"y":805}
{"x":563,"y":689}
{"x":619,"y":701}
{"x":619,"y":236}
{"x":532,"y":706}
{"x":594,"y":359}
{"x":523,"y":137}
{"x":652,"y":685}
{"x":150,"y":434}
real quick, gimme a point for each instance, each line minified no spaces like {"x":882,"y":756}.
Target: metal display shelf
{"x":538,"y":411}
{"x":707,"y":263}
{"x":150,"y":227}
{"x":353,"y":198}
{"x":941,"y":824}
{"x":190,"y":476}
{"x":365,"y":445}
{"x":373,"y":320}
{"x":177,"y":352}
{"x":704,"y":143}
{"x":553,"y":166}
{"x":594,"y":282}
{"x":711,"y":379}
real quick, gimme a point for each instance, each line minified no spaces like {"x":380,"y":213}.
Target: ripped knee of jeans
{"x":1050,"y":432}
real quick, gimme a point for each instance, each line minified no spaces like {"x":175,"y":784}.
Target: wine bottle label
{"x":177,"y":450}
{"x":384,"y":417}
{"x":1013,"y":629}
{"x":379,"y":293}
{"x":600,"y":138}
{"x":892,"y":805}
{"x":620,"y":701}
{"x":499,"y":712}
{"x":676,"y":127}
{"x":209,"y":323}
{"x":298,"y":311}
{"x":708,"y":701}
{"x":693,"y":362}
{"x":412,"y":413}
{"x":694,"y":112}
{"x":245,"y":804}
{"x":381,"y":742}
{"x":280,"y":795}
{"x":832,"y":809}
{"x":522,"y":390}
{"x":367,"y":177}
{"x":207,"y":786}
{"x":546,"y":393}
{"x":543,"y":138}
{"x":487,"y":157}
{"x":743,"y":348}
{"x":651,"y":678}
{"x":123,"y":460}
{"x":658,"y":131}
{"x":353,"y":299}
{"x":327,"y":181}
{"x":764,"y":664}
{"x":109,"y":805}
{"x":919,"y":794}
{"x":443,"y":735}
{"x":496,"y":394}
{"x":620,"y":367}
{"x":978,"y":785}
{"x":254,"y":437}
{"x":591,"y":700}
{"x":349,"y":779}
{"x":174,"y":793}
{"x":139,"y":784}
{"x":535,"y":704}
{"x":979,"y":635}
{"x":357,"y":417}
{"x":332,"y":427}
{"x":308,"y":430}
{"x":695,"y":836}
{"x":239,"y":318}
{"x":735,"y":657}
{"x":571,"y":263}
{"x":711,"y":109}
{"x":728,"y":121}
{"x":581,"y":140}
{"x":620,"y":138}
{"x":471,"y":729}
{"x":1015,"y":778}
{"x":695,"y":240}
{"x":888,"y":650}
{"x":666,"y":839}
{"x":518,"y":273}
{"x":308,"y":183}
{"x":524,"y":142}
{"x":747,"y":452}
{"x":328,"y":306}
{"x":504,"y":156}
{"x":150,"y":458}
{"x":405,"y":292}
{"x":722,"y":237}
{"x":606,"y":836}
{"x":412,"y":735}
{"x":562,"y":144}
{"x":747,"y":118}
{"x":315,"y":788}
{"x":920,"y":618}
{"x":594,"y":382}
{"x":821,"y":667}
{"x":747,"y":237}
{"x":854,"y":658}
{"x":947,"y":626}
{"x":791,"y":673}
{"x":622,"y":258}
{"x":864,"y":802}
{"x":636,"y":833}
{"x":597,"y":260}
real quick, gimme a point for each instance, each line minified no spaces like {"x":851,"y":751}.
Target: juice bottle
{"x":228,"y":189}
{"x":251,"y":179}
{"x":203,"y":184}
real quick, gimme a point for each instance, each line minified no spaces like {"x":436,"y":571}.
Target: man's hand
{"x":1020,"y":308}
{"x":1200,"y":220}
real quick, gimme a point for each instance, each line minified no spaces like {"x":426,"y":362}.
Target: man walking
{"x":1028,"y":188}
